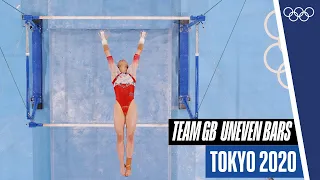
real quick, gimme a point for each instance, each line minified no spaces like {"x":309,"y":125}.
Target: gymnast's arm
{"x":143,"y":35}
{"x":136,"y":57}
{"x":106,"y":50}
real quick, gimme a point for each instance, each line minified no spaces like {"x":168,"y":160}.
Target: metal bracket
{"x":194,"y":20}
{"x":181,"y":103}
{"x":33,"y":124}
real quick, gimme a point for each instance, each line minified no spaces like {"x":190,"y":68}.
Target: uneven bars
{"x":115,"y":17}
{"x":101,"y":125}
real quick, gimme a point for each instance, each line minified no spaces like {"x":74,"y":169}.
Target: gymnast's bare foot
{"x":123,"y":170}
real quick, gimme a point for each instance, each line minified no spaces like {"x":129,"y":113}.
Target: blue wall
{"x":16,"y":151}
{"x":241,"y":88}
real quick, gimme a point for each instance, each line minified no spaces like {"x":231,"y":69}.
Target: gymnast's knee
{"x":120,"y":138}
{"x":130,"y":137}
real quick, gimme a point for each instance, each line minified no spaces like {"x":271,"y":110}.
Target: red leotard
{"x":124,"y":92}
{"x":124,"y":83}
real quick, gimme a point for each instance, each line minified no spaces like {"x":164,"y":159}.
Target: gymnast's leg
{"x":119,"y":120}
{"x":131,"y":120}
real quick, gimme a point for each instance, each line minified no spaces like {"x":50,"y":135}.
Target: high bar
{"x":101,"y":125}
{"x":114,"y":17}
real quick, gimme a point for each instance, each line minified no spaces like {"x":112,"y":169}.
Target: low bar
{"x":106,"y":125}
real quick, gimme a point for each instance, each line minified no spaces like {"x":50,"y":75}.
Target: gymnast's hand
{"x":102,"y":35}
{"x":104,"y":42}
{"x":143,"y":34}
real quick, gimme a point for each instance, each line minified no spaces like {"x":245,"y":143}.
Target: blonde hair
{"x":122,"y":61}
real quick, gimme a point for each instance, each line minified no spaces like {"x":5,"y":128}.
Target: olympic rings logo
{"x":298,"y":13}
{"x":280,"y":69}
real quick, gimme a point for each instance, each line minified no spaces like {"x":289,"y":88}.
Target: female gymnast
{"x":123,"y":78}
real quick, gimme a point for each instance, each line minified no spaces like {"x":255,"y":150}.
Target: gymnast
{"x":123,"y":78}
